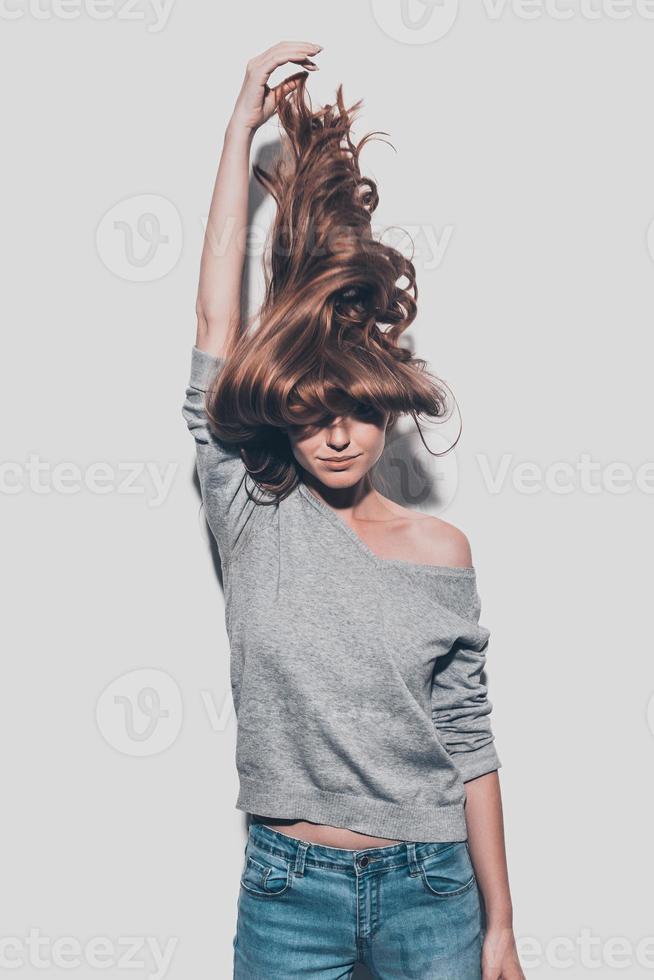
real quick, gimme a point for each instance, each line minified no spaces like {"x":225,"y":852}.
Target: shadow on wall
{"x":265,"y":157}
{"x":411,"y":474}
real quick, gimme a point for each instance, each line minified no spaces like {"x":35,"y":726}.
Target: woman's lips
{"x":338,"y":462}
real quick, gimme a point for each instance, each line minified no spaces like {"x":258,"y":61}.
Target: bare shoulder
{"x":447,"y":543}
{"x":431,"y":540}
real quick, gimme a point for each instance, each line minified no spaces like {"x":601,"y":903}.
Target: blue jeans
{"x":311,"y":911}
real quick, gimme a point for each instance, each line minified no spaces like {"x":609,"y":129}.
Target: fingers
{"x":297,"y":52}
{"x":290,"y":50}
{"x":283,"y":53}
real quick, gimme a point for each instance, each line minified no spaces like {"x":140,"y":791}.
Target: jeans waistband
{"x":360,"y":861}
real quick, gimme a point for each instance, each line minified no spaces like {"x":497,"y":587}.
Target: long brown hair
{"x":335,"y":305}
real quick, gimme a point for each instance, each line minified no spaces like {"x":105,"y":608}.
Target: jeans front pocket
{"x":446,"y":869}
{"x":266,"y":876}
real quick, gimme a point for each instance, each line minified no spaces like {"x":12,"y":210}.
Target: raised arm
{"x":229,"y":508}
{"x":218,"y":304}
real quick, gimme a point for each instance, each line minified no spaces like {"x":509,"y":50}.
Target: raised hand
{"x":257,"y":101}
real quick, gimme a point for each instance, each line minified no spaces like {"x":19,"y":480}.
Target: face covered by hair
{"x":340,"y":452}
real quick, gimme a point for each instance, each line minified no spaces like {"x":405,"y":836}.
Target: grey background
{"x":525,"y":146}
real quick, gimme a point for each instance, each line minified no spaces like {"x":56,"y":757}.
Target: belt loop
{"x":414,"y":867}
{"x":301,"y":854}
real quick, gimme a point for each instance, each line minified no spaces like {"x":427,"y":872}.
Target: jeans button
{"x":364,"y":861}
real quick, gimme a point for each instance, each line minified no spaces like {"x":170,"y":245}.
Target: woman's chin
{"x":340,"y":479}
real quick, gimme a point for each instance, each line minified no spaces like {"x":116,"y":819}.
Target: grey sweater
{"x":357,"y":681}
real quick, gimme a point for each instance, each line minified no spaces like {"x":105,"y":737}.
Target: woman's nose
{"x":337,"y":437}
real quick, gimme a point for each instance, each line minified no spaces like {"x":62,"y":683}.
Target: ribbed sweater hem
{"x":364,"y":814}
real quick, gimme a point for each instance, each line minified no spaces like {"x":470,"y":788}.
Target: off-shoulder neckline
{"x":458,"y":571}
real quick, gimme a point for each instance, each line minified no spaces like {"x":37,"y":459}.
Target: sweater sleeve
{"x":221,"y":471}
{"x":460,"y":706}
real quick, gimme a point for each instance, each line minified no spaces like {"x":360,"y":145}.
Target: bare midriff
{"x":316,"y":833}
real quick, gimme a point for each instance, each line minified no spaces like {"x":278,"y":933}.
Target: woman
{"x":364,"y":748}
